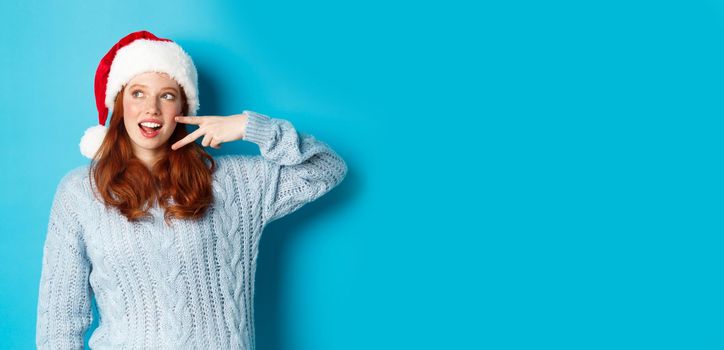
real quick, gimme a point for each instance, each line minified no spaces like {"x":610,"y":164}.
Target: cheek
{"x":130,"y":126}
{"x":171,"y":109}
{"x":130,"y":108}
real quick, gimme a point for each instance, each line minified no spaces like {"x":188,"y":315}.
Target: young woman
{"x":162,"y":234}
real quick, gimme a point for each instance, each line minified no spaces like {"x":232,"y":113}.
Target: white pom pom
{"x":91,"y":140}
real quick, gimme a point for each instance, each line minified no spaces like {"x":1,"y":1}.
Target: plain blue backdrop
{"x":522,"y":174}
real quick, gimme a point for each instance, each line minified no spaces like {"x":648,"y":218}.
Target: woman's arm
{"x":297,"y":169}
{"x":64,"y":298}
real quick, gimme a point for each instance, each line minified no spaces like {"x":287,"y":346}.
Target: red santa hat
{"x":137,"y":53}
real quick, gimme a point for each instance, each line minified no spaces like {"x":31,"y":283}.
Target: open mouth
{"x":149,"y":129}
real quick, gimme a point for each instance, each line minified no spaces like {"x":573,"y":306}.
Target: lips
{"x":152,"y":127}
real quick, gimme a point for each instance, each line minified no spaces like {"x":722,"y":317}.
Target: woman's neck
{"x":148,"y":157}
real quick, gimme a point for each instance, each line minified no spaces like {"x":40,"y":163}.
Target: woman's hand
{"x":216,"y":130}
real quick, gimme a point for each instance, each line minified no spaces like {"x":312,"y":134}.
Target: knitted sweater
{"x":189,"y":285}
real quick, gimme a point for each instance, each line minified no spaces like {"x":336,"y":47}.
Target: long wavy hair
{"x":181,"y":181}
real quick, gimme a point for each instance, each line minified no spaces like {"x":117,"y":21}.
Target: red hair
{"x":126,"y":183}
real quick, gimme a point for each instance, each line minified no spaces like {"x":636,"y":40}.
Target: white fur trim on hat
{"x":144,"y":55}
{"x":92,"y":139}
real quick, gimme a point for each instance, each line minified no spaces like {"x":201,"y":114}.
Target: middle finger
{"x":188,"y":139}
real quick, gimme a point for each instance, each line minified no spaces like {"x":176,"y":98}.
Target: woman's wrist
{"x":243,"y":118}
{"x":259,"y":128}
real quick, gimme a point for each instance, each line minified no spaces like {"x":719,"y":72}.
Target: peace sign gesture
{"x":215,"y":129}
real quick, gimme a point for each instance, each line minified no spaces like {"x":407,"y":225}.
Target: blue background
{"x":523,"y":174}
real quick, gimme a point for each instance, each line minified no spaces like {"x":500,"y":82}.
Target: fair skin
{"x":156,"y":96}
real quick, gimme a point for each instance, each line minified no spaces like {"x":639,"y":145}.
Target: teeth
{"x":151,"y":125}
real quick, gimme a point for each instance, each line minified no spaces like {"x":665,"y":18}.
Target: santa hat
{"x":137,"y":53}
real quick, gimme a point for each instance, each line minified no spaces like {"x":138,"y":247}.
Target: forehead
{"x":154,"y":79}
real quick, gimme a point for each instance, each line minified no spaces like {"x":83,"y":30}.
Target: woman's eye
{"x":167,"y":96}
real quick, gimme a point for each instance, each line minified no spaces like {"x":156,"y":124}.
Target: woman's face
{"x":153,"y":98}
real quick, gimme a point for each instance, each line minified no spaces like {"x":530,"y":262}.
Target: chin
{"x":155,"y":143}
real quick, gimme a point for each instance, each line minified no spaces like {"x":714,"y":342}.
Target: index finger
{"x":188,"y":139}
{"x":188,"y":120}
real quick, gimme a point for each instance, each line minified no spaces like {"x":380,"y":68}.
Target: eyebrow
{"x":166,"y":88}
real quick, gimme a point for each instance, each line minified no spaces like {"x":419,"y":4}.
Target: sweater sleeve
{"x":64,"y":298}
{"x":298,"y":168}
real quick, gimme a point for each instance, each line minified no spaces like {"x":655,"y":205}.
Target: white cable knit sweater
{"x":187,"y":286}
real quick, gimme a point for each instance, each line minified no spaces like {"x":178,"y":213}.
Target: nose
{"x":152,"y":107}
